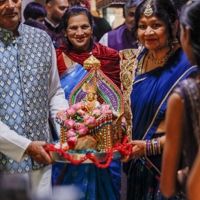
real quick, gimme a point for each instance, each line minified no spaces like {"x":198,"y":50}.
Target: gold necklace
{"x":164,"y":59}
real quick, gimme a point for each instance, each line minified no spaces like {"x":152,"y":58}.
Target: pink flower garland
{"x":73,"y":131}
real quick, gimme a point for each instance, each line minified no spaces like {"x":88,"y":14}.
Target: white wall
{"x":118,"y":14}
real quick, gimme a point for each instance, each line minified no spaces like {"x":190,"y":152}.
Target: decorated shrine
{"x":94,"y":119}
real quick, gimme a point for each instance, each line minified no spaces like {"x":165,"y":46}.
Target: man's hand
{"x":37,"y":152}
{"x":138,"y":150}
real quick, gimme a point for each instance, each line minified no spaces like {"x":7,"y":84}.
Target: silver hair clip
{"x":148,"y":10}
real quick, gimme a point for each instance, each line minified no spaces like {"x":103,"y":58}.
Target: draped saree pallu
{"x":189,"y":92}
{"x":145,"y":99}
{"x":93,"y":182}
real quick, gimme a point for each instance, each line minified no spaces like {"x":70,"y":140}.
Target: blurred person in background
{"x":121,"y":38}
{"x":55,"y":10}
{"x":14,"y":188}
{"x":36,"y":24}
{"x":35,"y":11}
{"x":179,"y":4}
{"x":101,"y":26}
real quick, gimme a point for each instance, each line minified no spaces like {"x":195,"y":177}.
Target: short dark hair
{"x":164,"y":10}
{"x":74,"y":11}
{"x":34,"y":10}
{"x":78,"y":3}
{"x":190,"y":17}
{"x":130,"y":4}
{"x":47,"y":1}
{"x":36,"y":24}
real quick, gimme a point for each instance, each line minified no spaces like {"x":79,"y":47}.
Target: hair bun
{"x":179,"y":3}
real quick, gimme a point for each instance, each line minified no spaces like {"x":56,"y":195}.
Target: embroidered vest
{"x":25,"y":63}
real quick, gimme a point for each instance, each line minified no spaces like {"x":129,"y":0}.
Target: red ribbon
{"x":124,"y":148}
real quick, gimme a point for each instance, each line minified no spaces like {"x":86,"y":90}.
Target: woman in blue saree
{"x":161,"y":64}
{"x":94,"y":183}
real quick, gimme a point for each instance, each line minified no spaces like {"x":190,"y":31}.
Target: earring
{"x":175,"y":40}
{"x":139,"y":44}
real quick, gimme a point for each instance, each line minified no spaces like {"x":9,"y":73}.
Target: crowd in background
{"x":51,"y":17}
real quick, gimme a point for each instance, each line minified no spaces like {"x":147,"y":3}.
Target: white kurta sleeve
{"x":104,"y":40}
{"x":56,"y":97}
{"x":12,"y":144}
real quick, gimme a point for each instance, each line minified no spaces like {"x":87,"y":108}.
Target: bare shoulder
{"x":175,"y":100}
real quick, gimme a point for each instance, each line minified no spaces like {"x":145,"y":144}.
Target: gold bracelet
{"x":155,"y":146}
{"x":151,"y":149}
{"x":26,"y":153}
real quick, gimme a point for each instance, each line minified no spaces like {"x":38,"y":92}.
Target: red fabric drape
{"x":108,"y":57}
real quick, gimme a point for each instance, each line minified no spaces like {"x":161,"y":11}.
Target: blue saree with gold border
{"x":94,"y":183}
{"x":148,"y":105}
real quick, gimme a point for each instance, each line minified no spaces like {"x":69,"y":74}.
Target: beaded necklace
{"x":164,"y":59}
{"x":159,"y":61}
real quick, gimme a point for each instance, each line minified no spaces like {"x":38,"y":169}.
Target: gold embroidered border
{"x":128,"y":65}
{"x":158,"y":111}
{"x":139,"y":80}
{"x":165,"y":99}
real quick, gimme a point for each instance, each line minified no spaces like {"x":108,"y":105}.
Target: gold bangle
{"x":155,"y":146}
{"x":26,"y":153}
{"x":151,"y":149}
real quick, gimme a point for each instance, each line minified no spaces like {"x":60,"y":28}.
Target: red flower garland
{"x":124,"y":148}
